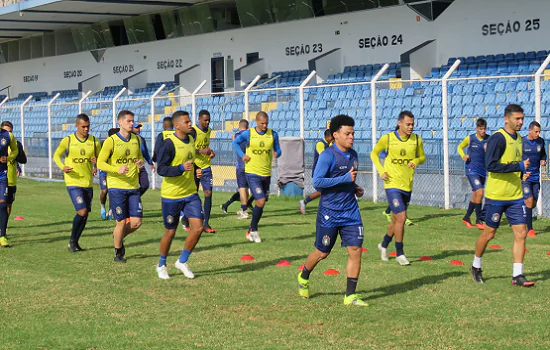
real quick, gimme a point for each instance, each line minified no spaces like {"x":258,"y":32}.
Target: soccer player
{"x":143,"y":176}
{"x":335,"y":175}
{"x":121,"y":158}
{"x":475,"y":170}
{"x":167,"y":125}
{"x":262,"y":144}
{"x":320,"y":146}
{"x":7,"y":143}
{"x":179,"y":193}
{"x":13,"y":168}
{"x":103,"y":186}
{"x":503,"y":193}
{"x":242,"y":185}
{"x":534,"y":150}
{"x":201,"y":135}
{"x":80,"y":151}
{"x":404,"y":153}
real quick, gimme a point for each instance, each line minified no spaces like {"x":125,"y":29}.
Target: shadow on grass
{"x":455,"y":253}
{"x":434,"y":216}
{"x":248,"y":267}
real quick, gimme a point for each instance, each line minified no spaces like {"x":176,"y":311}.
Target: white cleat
{"x":243,"y":215}
{"x":254,"y":236}
{"x":383,"y":252}
{"x":185,"y":269}
{"x":302,"y":207}
{"x":402,"y":260}
{"x":240,"y":211}
{"x":162,"y":272}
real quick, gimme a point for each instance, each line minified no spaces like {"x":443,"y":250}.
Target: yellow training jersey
{"x":260,"y":151}
{"x":12,"y":171}
{"x":117,"y":152}
{"x":400,"y":152}
{"x":506,"y":186}
{"x":177,"y":187}
{"x":202,"y":141}
{"x":78,"y":155}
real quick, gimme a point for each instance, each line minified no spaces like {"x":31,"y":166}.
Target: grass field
{"x":51,"y":299}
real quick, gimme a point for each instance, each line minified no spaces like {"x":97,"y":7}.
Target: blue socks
{"x":386,"y":241}
{"x":399,"y":248}
{"x":307,"y":200}
{"x":388,"y":210}
{"x":471,"y":208}
{"x":305,"y":273}
{"x":529,"y":215}
{"x":207,"y":210}
{"x":244,"y":208}
{"x":256,"y":216}
{"x":184,"y":256}
{"x":78,"y":222}
{"x":162,"y":260}
{"x":3,"y":218}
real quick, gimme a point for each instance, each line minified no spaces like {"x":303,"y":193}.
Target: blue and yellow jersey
{"x":116,"y":152}
{"x":78,"y":155}
{"x":504,"y":166}
{"x":176,"y":182}
{"x":202,"y":140}
{"x":476,"y":150}
{"x":7,"y":142}
{"x":535,"y":151}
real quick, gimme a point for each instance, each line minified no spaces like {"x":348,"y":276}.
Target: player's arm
{"x":14,"y":148}
{"x":21,"y":157}
{"x":320,"y":179}
{"x":158,"y":147}
{"x":164,"y":164}
{"x":465,"y":143}
{"x":421,"y":156}
{"x":244,"y":136}
{"x":276,"y":145}
{"x":104,"y":155}
{"x":60,"y":151}
{"x":543,"y":154}
{"x":380,"y":146}
{"x":495,"y":149}
{"x":145,"y":152}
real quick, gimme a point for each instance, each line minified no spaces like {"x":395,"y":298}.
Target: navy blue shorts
{"x":476,"y":181}
{"x":205,"y":180}
{"x":10,"y":198}
{"x":191,"y":207}
{"x":125,"y":204}
{"x":515,"y":212}
{"x":81,"y":197}
{"x":241,"y":179}
{"x":398,"y":200}
{"x":325,"y":237}
{"x":531,"y":190}
{"x":103,"y":180}
{"x":4,"y":189}
{"x":143,"y":179}
{"x":259,"y":185}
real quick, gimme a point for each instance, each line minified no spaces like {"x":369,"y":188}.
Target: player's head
{"x":167,"y":123}
{"x":126,"y":120}
{"x":513,"y":117}
{"x":7,"y":125}
{"x":182,"y":122}
{"x":534,"y":130}
{"x":405,"y":123}
{"x":328,"y":136}
{"x":136,"y":129}
{"x":82,"y":125}
{"x":341,"y":129}
{"x":262,"y":121}
{"x":113,"y":131}
{"x":204,"y":119}
{"x":243,"y":124}
{"x":481,"y":127}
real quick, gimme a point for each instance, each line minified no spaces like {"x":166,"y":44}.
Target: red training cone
{"x":301,"y":267}
{"x":457,"y":263}
{"x":18,"y":218}
{"x":425,"y":258}
{"x":548,"y":253}
{"x":247,"y":257}
{"x":331,"y":272}
{"x":527,"y":250}
{"x":394,"y":254}
{"x":364,"y":250}
{"x":494,"y":246}
{"x":283,"y":263}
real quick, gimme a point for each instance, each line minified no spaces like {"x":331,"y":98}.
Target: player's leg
{"x":243,"y":194}
{"x":143,"y":181}
{"x":235,"y":197}
{"x":118,"y":201}
{"x":81,"y":207}
{"x":530,"y":196}
{"x":207,"y":186}
{"x":11,"y":198}
{"x":192,"y":211}
{"x":88,"y":195}
{"x":494,"y":215}
{"x":308,"y":199}
{"x":476,"y":185}
{"x":170,"y":214}
{"x":387,"y":213}
{"x":103,"y":194}
{"x":135,"y":212}
{"x":516,"y":215}
{"x":352,"y":239}
{"x":260,"y":190}
{"x":398,"y":221}
{"x":3,"y":212}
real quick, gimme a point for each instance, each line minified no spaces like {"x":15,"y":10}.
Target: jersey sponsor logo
{"x":495,"y":217}
{"x":326,"y":240}
{"x":126,"y":160}
{"x":170,"y":219}
{"x":400,"y":161}
{"x":81,"y":160}
{"x":259,"y":152}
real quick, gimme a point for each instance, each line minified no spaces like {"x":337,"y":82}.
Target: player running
{"x":262,"y":145}
{"x":405,"y":152}
{"x":179,"y":192}
{"x":121,"y":158}
{"x":103,"y":186}
{"x":335,"y":176}
{"x":143,"y":176}
{"x":475,"y":170}
{"x":13,"y":168}
{"x":534,"y":150}
{"x":503,"y":193}
{"x":80,"y":151}
{"x":7,"y":143}
{"x":320,"y":146}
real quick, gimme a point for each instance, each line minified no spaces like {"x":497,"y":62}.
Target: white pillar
{"x":194,"y":102}
{"x":114,"y":105}
{"x":246,"y":90}
{"x":302,"y":101}
{"x":538,"y":113}
{"x":50,"y":165}
{"x":22,"y":111}
{"x":153,"y":175}
{"x":373,"y":127}
{"x":84,"y":97}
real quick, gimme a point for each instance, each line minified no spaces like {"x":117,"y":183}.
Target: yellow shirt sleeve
{"x":375,"y":154}
{"x":421,"y":156}
{"x":319,"y":147}
{"x":97,"y":147}
{"x":14,"y":148}
{"x":104,"y":155}
{"x":465,"y":143}
{"x":60,"y":151}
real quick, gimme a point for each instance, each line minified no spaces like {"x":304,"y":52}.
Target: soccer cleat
{"x":354,"y":300}
{"x":303,"y":286}
{"x":531,"y":233}
{"x":184,"y":268}
{"x":480,"y":225}
{"x":103,"y":214}
{"x":409,"y":222}
{"x":243,"y":215}
{"x":383,"y":252}
{"x":303,"y":207}
{"x":185,"y":224}
{"x":388,"y":216}
{"x":521,"y":281}
{"x":467,"y":223}
{"x":240,"y":211}
{"x":209,"y":229}
{"x":72,"y":247}
{"x":4,"y":242}
{"x":402,"y":260}
{"x":224,"y":208}
{"x":476,"y":274}
{"x":247,"y":236}
{"x":255,"y":235}
{"x":111,"y":216}
{"x":119,"y":259}
{"x":162,"y":272}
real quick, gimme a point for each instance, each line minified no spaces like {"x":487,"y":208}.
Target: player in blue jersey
{"x":14,"y":170}
{"x":475,"y":170}
{"x":338,"y":214}
{"x":534,"y":150}
{"x":242,"y":185}
{"x":320,"y":146}
{"x":7,"y":143}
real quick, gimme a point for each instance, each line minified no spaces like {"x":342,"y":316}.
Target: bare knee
{"x":135,"y":224}
{"x":399,"y":219}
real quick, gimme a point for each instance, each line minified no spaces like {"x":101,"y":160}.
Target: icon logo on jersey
{"x":326,"y":240}
{"x":82,"y":152}
{"x":538,"y":148}
{"x":170,"y":219}
{"x":526,"y":190}
{"x":395,"y":202}
{"x":403,"y":152}
{"x":477,"y":182}
{"x":258,"y":190}
{"x":127,"y":152}
{"x":495,"y":217}
{"x":262,"y":144}
{"x":401,"y":161}
{"x":190,"y":155}
{"x":118,"y":210}
{"x":79,"y":200}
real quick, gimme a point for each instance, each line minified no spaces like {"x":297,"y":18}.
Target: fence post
{"x":84,"y":97}
{"x":50,"y":165}
{"x":246,"y":109}
{"x":22,"y":110}
{"x":445,"y":113}
{"x":302,"y":102}
{"x":373,"y":127}
{"x":4,"y":101}
{"x":153,"y":173}
{"x":538,"y":113}
{"x":114,"y":105}
{"x":194,"y":102}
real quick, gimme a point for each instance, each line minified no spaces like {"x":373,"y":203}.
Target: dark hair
{"x":178,"y":114}
{"x":124,"y":113}
{"x":533,"y":124}
{"x":167,"y":119}
{"x":404,"y":114}
{"x":512,"y":108}
{"x":340,"y":120}
{"x":82,"y":117}
{"x":113,"y":131}
{"x":243,"y":123}
{"x":481,"y":123}
{"x":203,"y":112}
{"x":262,"y":114}
{"x":6,"y":123}
{"x":327,"y":133}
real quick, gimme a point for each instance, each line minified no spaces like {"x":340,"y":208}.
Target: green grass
{"x":51,"y":299}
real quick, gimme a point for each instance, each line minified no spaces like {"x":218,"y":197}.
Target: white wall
{"x":422,"y":61}
{"x":327,"y":65}
{"x":137,"y":81}
{"x":249,"y":72}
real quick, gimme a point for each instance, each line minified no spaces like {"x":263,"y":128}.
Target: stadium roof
{"x":33,"y":17}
